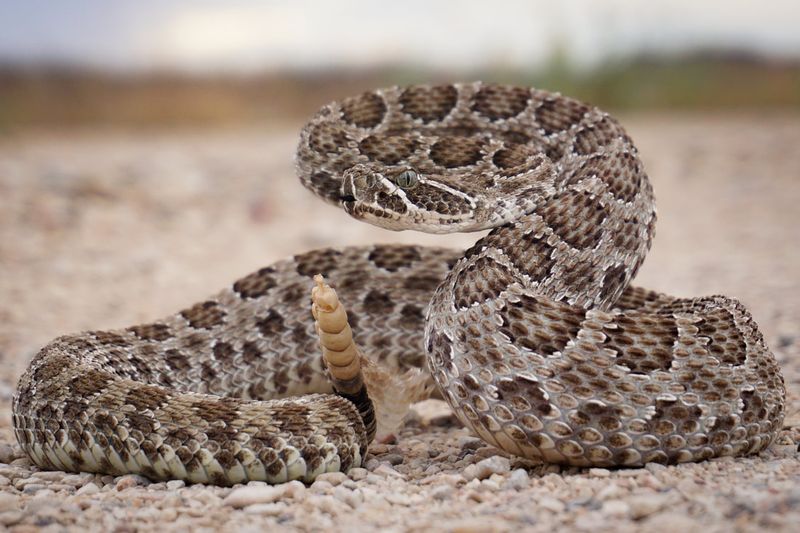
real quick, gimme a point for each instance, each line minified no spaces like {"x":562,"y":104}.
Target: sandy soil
{"x":106,"y":230}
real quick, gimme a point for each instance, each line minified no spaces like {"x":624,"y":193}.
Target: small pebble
{"x":88,"y":489}
{"x":551,"y":504}
{"x":483,"y":469}
{"x":10,"y":518}
{"x":33,"y":488}
{"x":7,"y":453}
{"x":8,"y":502}
{"x":269,"y":509}
{"x":175,"y":484}
{"x":646,"y":504}
{"x":518,"y":479}
{"x":320,"y":486}
{"x":334,"y":478}
{"x":244,"y":496}
{"x":357,"y":474}
{"x":393,"y":458}
{"x":470,"y":443}
{"x":130,"y":481}
{"x":615,"y":508}
{"x":387,"y":471}
{"x":442,"y":492}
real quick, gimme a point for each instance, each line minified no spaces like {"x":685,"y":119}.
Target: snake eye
{"x":407,"y":179}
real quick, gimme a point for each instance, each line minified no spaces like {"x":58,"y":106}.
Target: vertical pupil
{"x":406,"y":178}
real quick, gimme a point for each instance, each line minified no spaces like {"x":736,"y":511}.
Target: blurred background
{"x":138,"y":63}
{"x":146,"y":145}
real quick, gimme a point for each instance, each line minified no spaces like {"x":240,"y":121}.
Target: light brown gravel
{"x":104,"y":230}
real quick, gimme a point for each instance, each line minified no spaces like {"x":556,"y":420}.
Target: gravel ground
{"x":108,"y":229}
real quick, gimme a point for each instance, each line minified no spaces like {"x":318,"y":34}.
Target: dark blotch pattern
{"x":590,"y":138}
{"x":256,"y":284}
{"x":455,"y":152}
{"x":482,"y":280}
{"x":437,"y":200}
{"x":151,"y":332}
{"x":725,"y":342}
{"x":643,"y":342}
{"x":378,"y":303}
{"x":364,"y":111}
{"x":322,"y":261}
{"x":542,"y":326}
{"x":205,"y":315}
{"x":388,"y":149}
{"x":393,"y":258}
{"x":555,"y":116}
{"x":429,"y":103}
{"x":497,"y":102}
{"x":576,"y":217}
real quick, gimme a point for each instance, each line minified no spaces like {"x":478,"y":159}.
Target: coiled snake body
{"x":534,"y":335}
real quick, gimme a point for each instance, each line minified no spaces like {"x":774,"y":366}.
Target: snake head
{"x":401,"y":198}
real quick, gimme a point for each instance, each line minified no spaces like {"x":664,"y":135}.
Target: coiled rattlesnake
{"x":534,"y":335}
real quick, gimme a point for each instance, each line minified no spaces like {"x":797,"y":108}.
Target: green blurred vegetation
{"x":64,"y":98}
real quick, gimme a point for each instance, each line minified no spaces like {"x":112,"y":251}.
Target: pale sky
{"x":245,"y":35}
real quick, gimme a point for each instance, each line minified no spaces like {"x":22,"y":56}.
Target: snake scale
{"x":534,"y":335}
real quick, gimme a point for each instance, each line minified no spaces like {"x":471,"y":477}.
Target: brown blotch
{"x":223,"y":352}
{"x":555,"y":115}
{"x":435,"y":199}
{"x":413,"y":317}
{"x":482,"y":280}
{"x":224,"y":410}
{"x":322,"y":261}
{"x":429,"y":103}
{"x":422,"y":282}
{"x":365,"y":111}
{"x":497,"y":102}
{"x":378,"y":303}
{"x":643,"y":342}
{"x":725,"y":341}
{"x":108,"y":338}
{"x":272,"y":324}
{"x":613,"y":283}
{"x":151,"y":332}
{"x":250,"y":352}
{"x":591,"y":138}
{"x":454,"y":152}
{"x":146,"y":397}
{"x":393,"y":257}
{"x":388,"y":149}
{"x":326,"y":185}
{"x":256,"y":284}
{"x":523,"y":324}
{"x":177,"y":360}
{"x":326,"y":138}
{"x":89,"y":383}
{"x":576,"y":218}
{"x":204,"y":315}
{"x":528,"y":253}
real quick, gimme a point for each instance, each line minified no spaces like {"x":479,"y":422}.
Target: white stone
{"x":357,"y":474}
{"x":175,"y":484}
{"x":244,"y":496}
{"x":334,"y":478}
{"x":483,"y":469}
{"x":8,"y":502}
{"x":518,"y":479}
{"x":646,"y":504}
{"x":89,"y":488}
{"x":387,"y":471}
